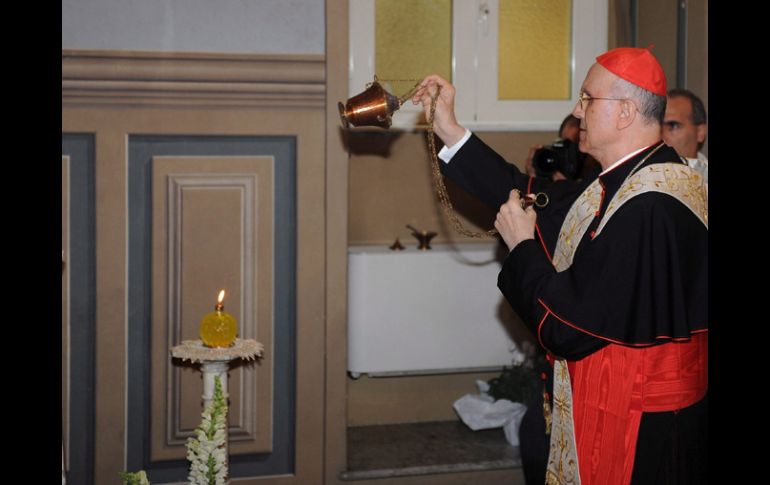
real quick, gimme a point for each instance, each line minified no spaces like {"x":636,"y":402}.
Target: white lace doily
{"x":195,"y":351}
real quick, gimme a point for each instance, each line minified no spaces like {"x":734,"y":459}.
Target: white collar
{"x":616,"y":164}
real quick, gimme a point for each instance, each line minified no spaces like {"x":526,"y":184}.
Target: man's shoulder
{"x":662,"y":208}
{"x":662,"y":192}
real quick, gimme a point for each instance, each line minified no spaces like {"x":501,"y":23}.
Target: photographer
{"x":562,"y":160}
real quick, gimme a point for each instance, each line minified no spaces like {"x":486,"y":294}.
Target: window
{"x":516,"y":64}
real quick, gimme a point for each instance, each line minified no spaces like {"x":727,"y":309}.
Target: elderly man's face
{"x":597,"y":116}
{"x":678,"y":129}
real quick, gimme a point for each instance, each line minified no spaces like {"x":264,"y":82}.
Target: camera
{"x":563,"y":156}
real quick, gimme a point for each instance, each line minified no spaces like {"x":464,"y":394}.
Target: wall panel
{"x":212,"y":223}
{"x":78,"y":304}
{"x":195,"y":194}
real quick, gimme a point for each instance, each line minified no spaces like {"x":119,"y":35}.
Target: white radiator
{"x":424,"y":312}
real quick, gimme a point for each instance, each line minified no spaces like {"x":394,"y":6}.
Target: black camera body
{"x":562,"y":156}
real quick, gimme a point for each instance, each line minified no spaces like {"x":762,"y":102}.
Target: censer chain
{"x":438,"y":179}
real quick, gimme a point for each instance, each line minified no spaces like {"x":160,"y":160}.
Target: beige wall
{"x":391,"y":186}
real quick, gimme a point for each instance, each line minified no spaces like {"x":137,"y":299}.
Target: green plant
{"x":516,"y":383}
{"x":134,"y":478}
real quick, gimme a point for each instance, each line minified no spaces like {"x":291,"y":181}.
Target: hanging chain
{"x":403,"y":99}
{"x":438,"y":179}
{"x":414,"y":80}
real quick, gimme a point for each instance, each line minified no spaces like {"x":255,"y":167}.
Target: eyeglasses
{"x":585,"y":100}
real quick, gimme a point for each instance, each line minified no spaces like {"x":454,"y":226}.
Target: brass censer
{"x":373,"y":107}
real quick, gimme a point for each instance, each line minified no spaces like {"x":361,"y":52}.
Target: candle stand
{"x":215,"y":361}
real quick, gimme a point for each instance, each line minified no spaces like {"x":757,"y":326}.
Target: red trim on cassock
{"x":619,"y":342}
{"x":612,"y":387}
{"x":539,"y":339}
{"x":542,"y":243}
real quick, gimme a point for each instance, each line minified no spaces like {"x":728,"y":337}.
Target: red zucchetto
{"x":637,"y":66}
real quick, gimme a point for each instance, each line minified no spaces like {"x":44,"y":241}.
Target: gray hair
{"x":650,"y":105}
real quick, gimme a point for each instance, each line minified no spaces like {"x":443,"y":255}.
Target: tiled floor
{"x":425,"y":448}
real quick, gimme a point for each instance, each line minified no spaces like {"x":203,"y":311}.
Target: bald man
{"x":611,"y":276}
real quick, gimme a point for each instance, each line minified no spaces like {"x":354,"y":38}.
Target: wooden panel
{"x":65,"y":314}
{"x":121,"y":259}
{"x":212,"y":229}
{"x":78,"y":303}
{"x":337,"y":170}
{"x":172,"y":78}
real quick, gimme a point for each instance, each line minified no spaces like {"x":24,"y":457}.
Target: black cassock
{"x":642,"y":280}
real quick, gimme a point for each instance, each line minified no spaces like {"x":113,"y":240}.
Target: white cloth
{"x":481,"y":411}
{"x":701,"y":164}
{"x":446,"y":153}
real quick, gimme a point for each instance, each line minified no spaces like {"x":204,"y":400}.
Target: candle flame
{"x":221,"y":296}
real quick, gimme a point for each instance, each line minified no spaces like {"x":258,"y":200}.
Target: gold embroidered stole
{"x":562,"y":456}
{"x":676,"y":180}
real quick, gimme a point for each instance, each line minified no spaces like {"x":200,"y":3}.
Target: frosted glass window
{"x":534,"y":49}
{"x":413,"y":38}
{"x":516,"y":64}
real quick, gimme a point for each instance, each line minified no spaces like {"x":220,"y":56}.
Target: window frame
{"x":474,"y":66}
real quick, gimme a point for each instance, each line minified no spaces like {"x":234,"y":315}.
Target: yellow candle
{"x":219,"y":328}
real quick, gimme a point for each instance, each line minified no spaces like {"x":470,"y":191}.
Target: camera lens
{"x":545,"y":161}
{"x":563,"y":156}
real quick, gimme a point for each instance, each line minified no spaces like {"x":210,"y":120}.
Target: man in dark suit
{"x":611,"y":276}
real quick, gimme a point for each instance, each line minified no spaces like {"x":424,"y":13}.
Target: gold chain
{"x":438,"y":179}
{"x":398,"y":80}
{"x":633,"y":170}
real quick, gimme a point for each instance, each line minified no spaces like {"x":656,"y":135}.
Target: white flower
{"x":206,"y":452}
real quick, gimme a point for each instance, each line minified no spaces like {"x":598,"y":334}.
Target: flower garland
{"x":207,"y":452}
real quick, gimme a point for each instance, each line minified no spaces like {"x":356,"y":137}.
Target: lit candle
{"x":218,"y":328}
